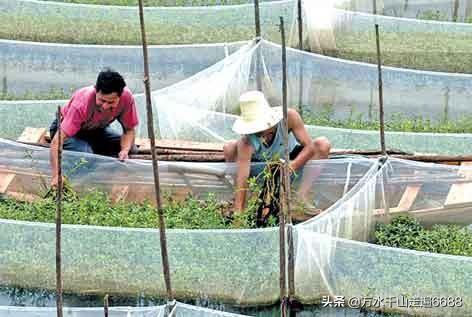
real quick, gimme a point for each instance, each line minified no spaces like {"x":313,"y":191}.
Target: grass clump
{"x":436,"y":51}
{"x":96,"y":208}
{"x":159,"y":3}
{"x":406,"y":232}
{"x":394,"y":122}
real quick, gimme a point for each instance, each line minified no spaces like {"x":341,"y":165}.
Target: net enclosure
{"x":405,"y":43}
{"x":440,"y":10}
{"x":337,"y":99}
{"x":48,"y":21}
{"x":409,"y":43}
{"x":31,"y":70}
{"x":333,"y":253}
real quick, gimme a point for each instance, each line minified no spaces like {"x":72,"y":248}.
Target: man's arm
{"x":296,"y":125}
{"x":126,"y":142}
{"x":244,"y":165}
{"x":53,"y":155}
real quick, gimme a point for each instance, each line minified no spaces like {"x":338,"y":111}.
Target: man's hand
{"x":123,"y":155}
{"x":126,"y":142}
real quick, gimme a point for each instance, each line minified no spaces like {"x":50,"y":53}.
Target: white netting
{"x":335,"y":92}
{"x":329,"y":264}
{"x":179,"y":310}
{"x":16,"y":311}
{"x":442,"y":10}
{"x":42,"y":71}
{"x":199,"y":259}
{"x":357,"y":194}
{"x":406,"y":43}
{"x":47,"y":21}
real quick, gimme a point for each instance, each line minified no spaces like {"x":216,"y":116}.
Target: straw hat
{"x":256,"y":114}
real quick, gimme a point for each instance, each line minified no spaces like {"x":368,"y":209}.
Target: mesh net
{"x":330,"y":264}
{"x":44,"y":71}
{"x":331,"y":92}
{"x":73,"y":23}
{"x":406,"y":43}
{"x":333,"y":256}
{"x":128,"y":261}
{"x":179,"y":310}
{"x":335,"y":94}
{"x":16,"y":311}
{"x":442,"y":10}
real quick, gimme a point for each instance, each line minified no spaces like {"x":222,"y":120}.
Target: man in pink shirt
{"x":87,"y":116}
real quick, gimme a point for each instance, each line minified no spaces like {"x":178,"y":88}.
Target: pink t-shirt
{"x":82,"y":113}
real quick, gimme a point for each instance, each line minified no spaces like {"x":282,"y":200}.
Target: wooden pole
{"x":405,"y":6}
{"x":105,"y":305}
{"x":257,"y":21}
{"x":60,"y":185}
{"x":300,"y":47}
{"x":381,"y":106}
{"x":155,"y":168}
{"x":285,"y":180}
{"x":374,"y":5}
{"x":291,"y":253}
{"x":257,"y":16}
{"x":455,"y":13}
{"x":446,"y":105}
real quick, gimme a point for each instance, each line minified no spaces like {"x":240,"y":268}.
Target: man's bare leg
{"x":230,"y":151}
{"x":322,"y":149}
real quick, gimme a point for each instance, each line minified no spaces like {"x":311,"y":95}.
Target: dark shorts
{"x":105,"y":141}
{"x":258,"y":167}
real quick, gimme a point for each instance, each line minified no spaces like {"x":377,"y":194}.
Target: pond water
{"x":43,"y":298}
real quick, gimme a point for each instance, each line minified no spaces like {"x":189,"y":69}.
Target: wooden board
{"x":178,"y":144}
{"x":461,"y":193}
{"x":5,"y":180}
{"x":119,"y":192}
{"x":33,"y":135}
{"x":408,"y":198}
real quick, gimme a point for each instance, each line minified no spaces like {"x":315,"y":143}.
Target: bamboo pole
{"x":446,"y":105}
{"x":105,"y":305}
{"x":291,"y":255}
{"x":455,"y":12}
{"x":60,"y":185}
{"x":381,"y":105}
{"x":383,"y":149}
{"x":257,"y":17}
{"x":285,"y":182}
{"x":180,"y":157}
{"x":300,"y":47}
{"x":155,"y":168}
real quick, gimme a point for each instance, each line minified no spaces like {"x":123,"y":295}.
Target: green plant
{"x":432,"y":15}
{"x":393,"y":122}
{"x":96,"y":208}
{"x":406,"y":232}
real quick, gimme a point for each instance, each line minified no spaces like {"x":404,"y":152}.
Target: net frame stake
{"x":455,"y":12}
{"x":257,"y":22}
{"x":381,"y":104}
{"x":300,"y":47}
{"x":59,"y":194}
{"x":291,"y":253}
{"x":385,"y":197}
{"x":155,"y":168}
{"x":105,"y":305}
{"x":285,"y":191}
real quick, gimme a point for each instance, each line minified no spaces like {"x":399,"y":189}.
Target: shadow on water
{"x":10,"y":296}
